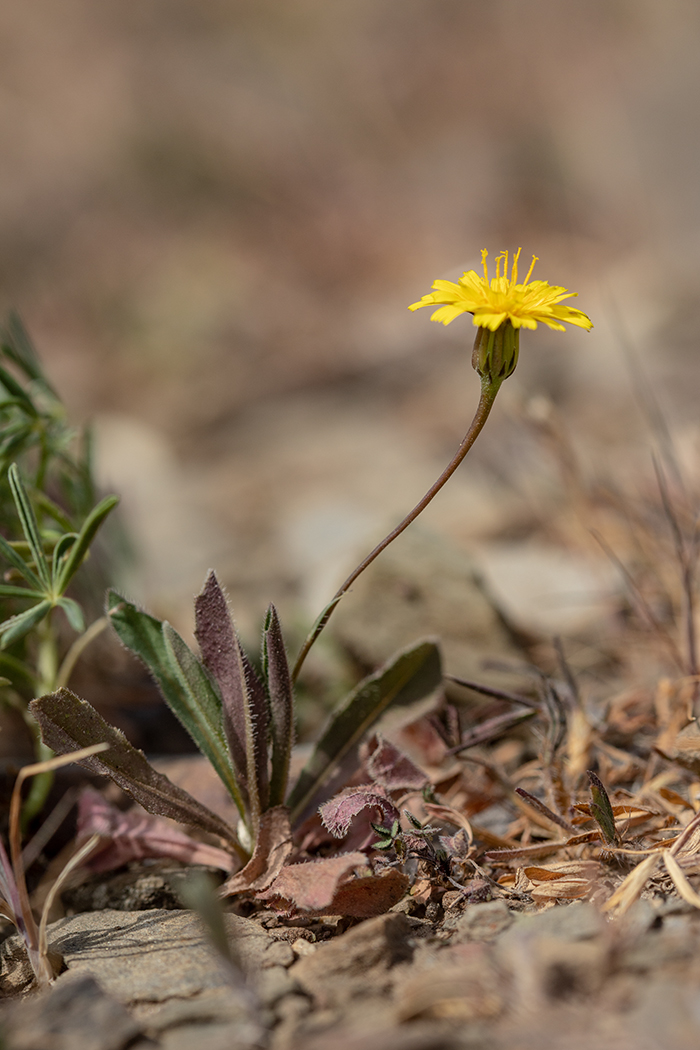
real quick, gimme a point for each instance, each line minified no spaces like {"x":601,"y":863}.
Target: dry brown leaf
{"x":272,"y":849}
{"x":566,"y":889}
{"x":341,"y":885}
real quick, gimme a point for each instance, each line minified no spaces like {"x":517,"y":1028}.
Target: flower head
{"x":502,"y":299}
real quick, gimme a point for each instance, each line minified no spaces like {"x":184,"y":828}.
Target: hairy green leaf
{"x":408,"y":678}
{"x":183,"y":682}
{"x":68,"y":723}
{"x":199,"y":709}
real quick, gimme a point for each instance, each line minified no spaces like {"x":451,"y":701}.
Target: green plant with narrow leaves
{"x":242,"y":721}
{"x":49,"y":517}
{"x":41,"y":568}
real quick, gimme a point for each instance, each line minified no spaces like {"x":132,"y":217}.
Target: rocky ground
{"x":481,"y":975}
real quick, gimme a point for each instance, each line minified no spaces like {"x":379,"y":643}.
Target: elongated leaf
{"x":8,"y":590}
{"x":199,"y":714}
{"x":242,"y":693}
{"x":68,"y":723}
{"x":215,"y":634}
{"x":602,"y":810}
{"x":408,"y":678}
{"x":74,"y":614}
{"x":17,"y":561}
{"x":134,"y":835}
{"x":17,"y":392}
{"x":17,"y":626}
{"x":198,"y":706}
{"x":85,"y":537}
{"x":60,"y":552}
{"x":29,"y":524}
{"x":279,"y":686}
{"x":17,"y":345}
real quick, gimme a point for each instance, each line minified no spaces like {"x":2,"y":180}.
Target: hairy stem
{"x":489,"y":389}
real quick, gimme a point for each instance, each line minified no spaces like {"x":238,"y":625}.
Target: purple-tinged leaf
{"x":279,"y":686}
{"x":68,"y":723}
{"x":272,"y":849}
{"x":492,"y":729}
{"x":215,"y":633}
{"x":342,"y":885}
{"x":388,"y":766}
{"x":339,"y":813}
{"x":134,"y":835}
{"x":537,"y":804}
{"x":243,"y":695}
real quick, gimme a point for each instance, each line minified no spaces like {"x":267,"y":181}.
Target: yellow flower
{"x":502,"y":299}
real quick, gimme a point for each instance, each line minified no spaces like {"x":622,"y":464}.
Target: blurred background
{"x":214,"y":213}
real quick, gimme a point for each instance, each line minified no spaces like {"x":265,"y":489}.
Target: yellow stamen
{"x":514,"y":278}
{"x":535,"y":258}
{"x":484,"y":256}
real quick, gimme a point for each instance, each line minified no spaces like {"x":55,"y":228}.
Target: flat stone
{"x":356,"y":963}
{"x":481,"y":922}
{"x":158,"y":955}
{"x":76,"y":1014}
{"x":568,"y":922}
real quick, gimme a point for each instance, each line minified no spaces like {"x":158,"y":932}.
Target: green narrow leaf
{"x":85,"y":537}
{"x":17,"y":626}
{"x":602,"y":810}
{"x":198,"y":706}
{"x":60,"y":552}
{"x":143,"y":635}
{"x":74,"y":614}
{"x":29,"y":524}
{"x":17,"y":345}
{"x":410,"y":677}
{"x":17,"y":392}
{"x":280,"y":694}
{"x":52,"y":510}
{"x":68,"y":723}
{"x":17,"y":561}
{"x":9,"y":590}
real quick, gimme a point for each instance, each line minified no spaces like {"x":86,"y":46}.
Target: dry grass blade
{"x":681,"y":883}
{"x":77,"y":858}
{"x":628,"y":891}
{"x":686,"y":835}
{"x":15,"y":833}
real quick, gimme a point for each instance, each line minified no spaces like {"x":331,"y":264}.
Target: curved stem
{"x":76,"y":651}
{"x":489,"y":389}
